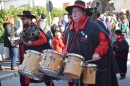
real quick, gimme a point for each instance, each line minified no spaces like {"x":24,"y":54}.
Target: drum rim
{"x":25,"y":72}
{"x":90,"y":65}
{"x":44,"y":68}
{"x":33,"y":51}
{"x":70,"y":54}
{"x":50,"y":50}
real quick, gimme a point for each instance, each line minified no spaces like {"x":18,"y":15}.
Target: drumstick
{"x":67,"y":43}
{"x":89,"y":61}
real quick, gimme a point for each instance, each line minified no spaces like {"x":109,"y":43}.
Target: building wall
{"x":56,"y":3}
{"x":15,"y":3}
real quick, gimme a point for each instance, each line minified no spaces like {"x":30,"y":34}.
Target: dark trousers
{"x":47,"y":84}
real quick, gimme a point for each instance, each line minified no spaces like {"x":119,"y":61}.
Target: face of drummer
{"x":26,"y":21}
{"x":77,"y":13}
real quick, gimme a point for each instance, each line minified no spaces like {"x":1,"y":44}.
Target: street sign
{"x":49,"y":6}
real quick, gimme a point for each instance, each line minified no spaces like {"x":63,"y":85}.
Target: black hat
{"x":94,"y":11}
{"x":118,"y":32}
{"x":80,"y":4}
{"x":43,"y":16}
{"x":27,"y":14}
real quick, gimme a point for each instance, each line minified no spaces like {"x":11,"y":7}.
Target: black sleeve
{"x":9,"y":31}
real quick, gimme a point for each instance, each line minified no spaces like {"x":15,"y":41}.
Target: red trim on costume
{"x":27,"y":80}
{"x":42,"y":40}
{"x":104,"y":43}
{"x":22,"y":50}
{"x":122,"y":73}
{"x":82,"y":22}
{"x":80,"y":6}
{"x":70,"y":83}
{"x":96,"y":20}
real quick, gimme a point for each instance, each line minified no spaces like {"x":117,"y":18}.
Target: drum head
{"x":49,"y":50}
{"x":77,"y":55}
{"x":91,"y":65}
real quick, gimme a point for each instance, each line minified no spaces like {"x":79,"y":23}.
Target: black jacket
{"x":9,"y":32}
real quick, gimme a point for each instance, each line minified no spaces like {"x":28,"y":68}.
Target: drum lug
{"x":68,"y":59}
{"x":28,"y":55}
{"x":90,"y":70}
{"x":60,"y":59}
{"x":33,"y":69}
{"x":65,"y":60}
{"x":58,"y":67}
{"x":44,"y":57}
{"x":40,"y":64}
{"x":38,"y":57}
{"x":48,"y":63}
{"x":24,"y":66}
{"x":75,"y":61}
{"x":52,"y":58}
{"x":81,"y":64}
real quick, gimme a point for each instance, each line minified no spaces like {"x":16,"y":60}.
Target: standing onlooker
{"x":55,"y":26}
{"x":57,"y":42}
{"x":10,"y":34}
{"x":1,"y":67}
{"x":44,"y":26}
{"x":125,"y":26}
{"x":121,"y":49}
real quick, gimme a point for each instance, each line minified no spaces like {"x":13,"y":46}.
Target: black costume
{"x":121,"y":49}
{"x":106,"y":72}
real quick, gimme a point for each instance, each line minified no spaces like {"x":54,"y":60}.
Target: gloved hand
{"x":95,"y":57}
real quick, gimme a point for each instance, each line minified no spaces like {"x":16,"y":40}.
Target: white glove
{"x":95,"y":57}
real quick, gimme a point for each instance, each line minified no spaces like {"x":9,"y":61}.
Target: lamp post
{"x":49,"y":7}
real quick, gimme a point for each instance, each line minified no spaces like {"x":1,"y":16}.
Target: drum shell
{"x":89,"y":74}
{"x":30,"y":64}
{"x":54,"y":64}
{"x":73,"y":69}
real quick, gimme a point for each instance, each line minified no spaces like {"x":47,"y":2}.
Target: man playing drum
{"x":85,"y":37}
{"x":39,"y":43}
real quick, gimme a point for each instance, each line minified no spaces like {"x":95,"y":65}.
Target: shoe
{"x":15,"y":68}
{"x":2,"y":68}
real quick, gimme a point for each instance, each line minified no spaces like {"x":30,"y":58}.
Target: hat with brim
{"x":79,"y":4}
{"x":27,"y":14}
{"x":118,"y":32}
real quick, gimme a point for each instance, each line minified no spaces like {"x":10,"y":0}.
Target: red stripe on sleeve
{"x":104,"y":43}
{"x":42,"y":40}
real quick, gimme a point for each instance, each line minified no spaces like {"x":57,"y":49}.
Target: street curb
{"x":9,"y":76}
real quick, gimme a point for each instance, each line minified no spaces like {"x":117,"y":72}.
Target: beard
{"x":25,"y":25}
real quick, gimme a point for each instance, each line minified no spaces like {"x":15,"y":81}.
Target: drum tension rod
{"x":52,"y":58}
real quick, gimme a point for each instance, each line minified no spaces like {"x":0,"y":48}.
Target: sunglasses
{"x":23,"y":18}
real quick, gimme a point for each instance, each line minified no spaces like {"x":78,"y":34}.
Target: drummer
{"x":39,"y":45}
{"x":85,"y":37}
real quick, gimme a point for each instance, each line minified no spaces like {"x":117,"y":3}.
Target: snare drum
{"x":73,"y":66}
{"x":89,"y":74}
{"x":52,"y":62}
{"x":30,"y":64}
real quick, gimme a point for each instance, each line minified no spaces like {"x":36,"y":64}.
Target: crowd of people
{"x":95,"y":36}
